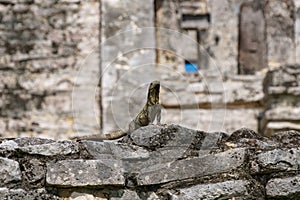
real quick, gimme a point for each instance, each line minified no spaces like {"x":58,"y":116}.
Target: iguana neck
{"x":153,"y":93}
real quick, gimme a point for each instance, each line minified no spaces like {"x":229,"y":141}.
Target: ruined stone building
{"x":223,"y":64}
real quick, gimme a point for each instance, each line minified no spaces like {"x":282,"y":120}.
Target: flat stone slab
{"x":9,"y":171}
{"x":111,"y":150}
{"x":287,"y":159}
{"x":193,"y":168}
{"x":229,"y":189}
{"x":52,"y":149}
{"x":283,"y":187}
{"x":75,"y":173}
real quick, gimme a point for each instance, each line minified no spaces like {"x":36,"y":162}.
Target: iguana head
{"x":153,"y":93}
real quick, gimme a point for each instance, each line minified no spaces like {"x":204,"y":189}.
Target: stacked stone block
{"x":154,"y":162}
{"x":282,"y":97}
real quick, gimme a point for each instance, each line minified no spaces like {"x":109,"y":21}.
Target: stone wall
{"x":282,"y":97}
{"x":240,"y":41}
{"x":154,"y":162}
{"x":216,"y":90}
{"x":42,"y":44}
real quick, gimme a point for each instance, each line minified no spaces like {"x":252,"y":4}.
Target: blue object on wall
{"x":191,"y":67}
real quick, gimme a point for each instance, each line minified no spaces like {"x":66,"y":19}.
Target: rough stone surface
{"x":9,"y":171}
{"x":52,"y":149}
{"x":15,"y":194}
{"x":154,"y":162}
{"x":237,"y":189}
{"x":109,"y":150}
{"x":85,"y":173}
{"x":227,"y":161}
{"x":276,"y":160}
{"x":284,"y":187}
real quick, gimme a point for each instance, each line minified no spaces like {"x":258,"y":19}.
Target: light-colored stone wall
{"x":42,"y":44}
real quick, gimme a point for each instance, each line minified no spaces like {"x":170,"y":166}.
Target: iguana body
{"x":146,"y":116}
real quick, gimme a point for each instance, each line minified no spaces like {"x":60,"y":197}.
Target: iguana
{"x":146,"y":116}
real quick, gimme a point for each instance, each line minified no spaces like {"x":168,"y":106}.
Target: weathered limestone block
{"x":15,"y":194}
{"x":239,"y":189}
{"x":75,"y":173}
{"x":52,"y":149}
{"x":286,"y":159}
{"x":193,"y":167}
{"x":110,"y":150}
{"x":288,"y":138}
{"x":9,"y":171}
{"x":155,"y":137}
{"x":248,"y":138}
{"x":286,"y":188}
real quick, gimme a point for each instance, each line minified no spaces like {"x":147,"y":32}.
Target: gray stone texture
{"x":284,"y":187}
{"x":154,"y":162}
{"x":76,"y":173}
{"x":9,"y":171}
{"x":236,"y":189}
{"x":276,"y":160}
{"x":110,"y":150}
{"x":227,"y":161}
{"x":52,"y":149}
{"x":16,"y":194}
